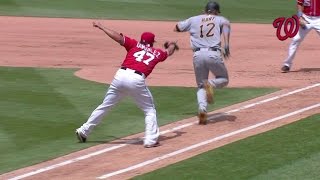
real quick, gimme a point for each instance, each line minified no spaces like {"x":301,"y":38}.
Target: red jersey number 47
{"x":141,"y":54}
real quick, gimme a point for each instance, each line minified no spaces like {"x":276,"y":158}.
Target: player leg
{"x":218,"y":69}
{"x":216,"y":66}
{"x":317,"y":26}
{"x":112,"y":97}
{"x":201,"y":75}
{"x":293,"y":47}
{"x":144,"y":100}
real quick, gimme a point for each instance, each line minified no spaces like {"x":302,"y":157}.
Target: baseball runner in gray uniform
{"x":205,"y":38}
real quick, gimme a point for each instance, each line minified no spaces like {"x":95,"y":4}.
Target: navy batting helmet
{"x":212,"y":6}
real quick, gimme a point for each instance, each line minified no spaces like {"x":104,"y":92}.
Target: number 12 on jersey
{"x":141,"y":54}
{"x":210,"y":26}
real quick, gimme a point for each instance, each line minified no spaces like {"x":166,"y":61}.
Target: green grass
{"x":41,"y":108}
{"x":236,"y":10}
{"x":288,"y":152}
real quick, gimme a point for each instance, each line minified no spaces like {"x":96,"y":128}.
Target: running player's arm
{"x":111,"y":33}
{"x":183,"y":26}
{"x":176,"y":29}
{"x":226,"y":29}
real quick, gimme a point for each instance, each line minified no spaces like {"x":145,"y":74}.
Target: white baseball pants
{"x":127,"y":82}
{"x":314,"y":23}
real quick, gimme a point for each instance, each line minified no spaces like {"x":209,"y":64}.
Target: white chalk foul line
{"x":163,"y":132}
{"x":205,"y":142}
{"x":38,"y":171}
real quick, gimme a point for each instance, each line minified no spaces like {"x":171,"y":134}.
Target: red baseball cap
{"x":147,"y":37}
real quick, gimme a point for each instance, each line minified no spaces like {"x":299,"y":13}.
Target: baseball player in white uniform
{"x":205,"y":38}
{"x":309,"y":17}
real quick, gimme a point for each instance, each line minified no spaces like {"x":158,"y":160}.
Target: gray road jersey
{"x":205,"y":30}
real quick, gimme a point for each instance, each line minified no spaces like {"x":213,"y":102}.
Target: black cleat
{"x":285,"y":69}
{"x":80,"y":137}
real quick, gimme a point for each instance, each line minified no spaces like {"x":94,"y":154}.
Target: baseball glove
{"x":167,"y":44}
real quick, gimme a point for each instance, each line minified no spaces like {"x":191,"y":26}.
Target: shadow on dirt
{"x":176,"y":134}
{"x":118,"y":141}
{"x":307,"y":70}
{"x":219,"y":117}
{"x":212,"y":118}
{"x":139,"y":141}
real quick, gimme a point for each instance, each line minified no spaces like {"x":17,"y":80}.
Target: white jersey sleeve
{"x":224,"y":21}
{"x":184,"y":25}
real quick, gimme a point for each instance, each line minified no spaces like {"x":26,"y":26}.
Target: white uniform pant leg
{"x":201,"y":71}
{"x":218,"y":69}
{"x":144,"y":100}
{"x":295,"y":43}
{"x":316,"y":25}
{"x":203,"y":62}
{"x":202,"y":100}
{"x":112,"y":97}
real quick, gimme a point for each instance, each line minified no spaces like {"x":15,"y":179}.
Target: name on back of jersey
{"x":206,"y":19}
{"x":148,"y":49}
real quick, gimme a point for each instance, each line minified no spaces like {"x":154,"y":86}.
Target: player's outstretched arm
{"x":111,"y":33}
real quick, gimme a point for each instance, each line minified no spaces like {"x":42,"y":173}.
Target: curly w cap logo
{"x":290,"y":27}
